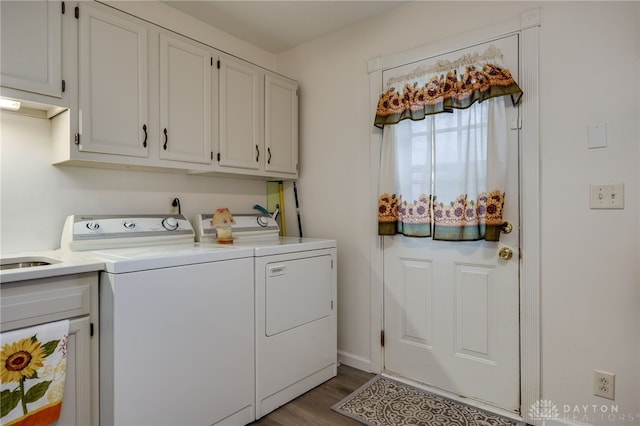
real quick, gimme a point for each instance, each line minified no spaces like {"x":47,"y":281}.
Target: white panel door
{"x":32,"y":46}
{"x":281,"y":125}
{"x":185,"y":101}
{"x":451,"y":309}
{"x":113,"y":83}
{"x":241,"y":106}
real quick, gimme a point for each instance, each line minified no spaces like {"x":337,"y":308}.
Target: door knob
{"x":505,"y":253}
{"x":506,"y":228}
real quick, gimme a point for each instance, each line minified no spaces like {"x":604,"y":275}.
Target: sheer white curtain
{"x":406,"y":179}
{"x":470,"y":171}
{"x":444,"y":176}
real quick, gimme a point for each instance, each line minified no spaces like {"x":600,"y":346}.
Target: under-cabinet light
{"x":9,"y":104}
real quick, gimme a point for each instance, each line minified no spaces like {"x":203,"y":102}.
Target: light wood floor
{"x":314,"y":407}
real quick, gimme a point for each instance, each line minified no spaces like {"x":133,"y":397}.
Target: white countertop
{"x":66,"y":263}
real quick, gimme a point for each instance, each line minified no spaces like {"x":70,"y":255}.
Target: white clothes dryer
{"x":295,"y":307}
{"x":176,"y":322}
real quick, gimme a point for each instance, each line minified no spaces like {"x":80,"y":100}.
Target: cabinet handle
{"x":166,"y":139}
{"x":257,"y":153}
{"x":144,"y":142}
{"x":269,"y":153}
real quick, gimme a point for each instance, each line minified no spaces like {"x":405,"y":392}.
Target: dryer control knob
{"x":129,"y":224}
{"x":93,"y":226}
{"x":263,"y":221}
{"x":170,"y":224}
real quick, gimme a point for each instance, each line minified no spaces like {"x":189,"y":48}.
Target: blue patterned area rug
{"x":386,"y":402}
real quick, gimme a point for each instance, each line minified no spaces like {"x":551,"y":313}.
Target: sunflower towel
{"x":33,"y":365}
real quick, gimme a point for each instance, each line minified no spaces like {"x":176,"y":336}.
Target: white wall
{"x":172,"y":19}
{"x":589,"y":260}
{"x":36,"y":196}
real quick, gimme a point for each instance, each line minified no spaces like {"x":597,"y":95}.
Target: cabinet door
{"x":241,"y":134}
{"x":281,"y":125}
{"x":76,"y":402}
{"x":113,"y":83}
{"x":185,"y":101}
{"x":31,"y":45}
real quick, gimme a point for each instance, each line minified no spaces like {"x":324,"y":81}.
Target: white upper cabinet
{"x":258,"y":121}
{"x":185,"y":100}
{"x":241,"y":135}
{"x":31,"y":45}
{"x":281,"y":124}
{"x":113,"y":85}
{"x":148,"y":98}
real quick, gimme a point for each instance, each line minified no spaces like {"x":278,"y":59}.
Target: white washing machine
{"x":295,"y":308}
{"x":176,"y":322}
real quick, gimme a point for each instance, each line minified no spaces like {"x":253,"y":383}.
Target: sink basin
{"x":26,"y":262}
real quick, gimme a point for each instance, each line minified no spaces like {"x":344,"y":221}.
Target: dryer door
{"x":297,"y":292}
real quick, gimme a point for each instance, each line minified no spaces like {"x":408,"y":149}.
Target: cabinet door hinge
{"x":218,"y":63}
{"x":91,"y":329}
{"x":77,"y":12}
{"x":64,"y":86}
{"x":218,"y":156}
{"x":212,"y":155}
{"x":62,"y":6}
{"x":331,"y":263}
{"x":332,"y":305}
{"x":77,"y":139}
{"x":382,"y":338}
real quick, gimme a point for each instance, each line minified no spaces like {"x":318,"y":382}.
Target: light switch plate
{"x":606,"y":196}
{"x":597,"y":135}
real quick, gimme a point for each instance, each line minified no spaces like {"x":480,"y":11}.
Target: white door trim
{"x":527,"y":26}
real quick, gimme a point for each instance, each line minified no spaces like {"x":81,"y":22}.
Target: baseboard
{"x":354,"y":361}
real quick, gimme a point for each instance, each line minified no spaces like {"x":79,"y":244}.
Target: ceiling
{"x":276,"y":26}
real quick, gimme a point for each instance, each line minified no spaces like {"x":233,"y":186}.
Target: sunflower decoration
{"x":390,"y":103}
{"x":495,"y":203}
{"x":24,"y":380}
{"x":21,"y":360}
{"x":388,"y":208}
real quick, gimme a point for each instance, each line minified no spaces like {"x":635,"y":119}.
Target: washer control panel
{"x":87,"y":232}
{"x":246,"y":226}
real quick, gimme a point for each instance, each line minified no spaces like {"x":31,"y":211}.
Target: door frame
{"x":526,"y":26}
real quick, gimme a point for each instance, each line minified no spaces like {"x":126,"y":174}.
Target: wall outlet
{"x":174,"y":205}
{"x":604,"y":384}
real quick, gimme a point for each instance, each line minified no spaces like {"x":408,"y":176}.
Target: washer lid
{"x":142,"y":258}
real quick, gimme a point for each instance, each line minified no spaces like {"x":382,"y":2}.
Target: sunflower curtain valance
{"x":443,"y":175}
{"x":453,"y":85}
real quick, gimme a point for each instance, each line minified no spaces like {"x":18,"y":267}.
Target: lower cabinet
{"x":76,"y":405}
{"x":75,"y":297}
